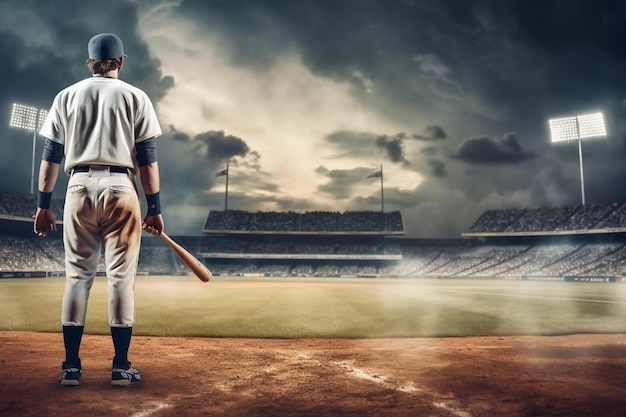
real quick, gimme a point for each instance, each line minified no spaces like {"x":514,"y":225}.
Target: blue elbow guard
{"x":146,"y":152}
{"x":53,"y":151}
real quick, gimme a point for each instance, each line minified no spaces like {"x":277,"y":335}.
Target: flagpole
{"x":226,"y":194}
{"x":382,"y":200}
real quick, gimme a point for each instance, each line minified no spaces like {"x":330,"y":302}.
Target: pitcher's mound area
{"x":579,"y":375}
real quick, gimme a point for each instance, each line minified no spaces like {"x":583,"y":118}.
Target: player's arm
{"x":150,"y":181}
{"x":48,"y":173}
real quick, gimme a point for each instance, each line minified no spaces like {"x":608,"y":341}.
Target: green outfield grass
{"x":345,"y":308}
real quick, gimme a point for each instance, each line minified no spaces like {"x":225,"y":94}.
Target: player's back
{"x":99,"y":120}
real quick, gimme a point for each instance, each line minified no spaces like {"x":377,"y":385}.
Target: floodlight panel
{"x":42,"y":118}
{"x":23,"y":117}
{"x":591,"y":125}
{"x":563,"y":129}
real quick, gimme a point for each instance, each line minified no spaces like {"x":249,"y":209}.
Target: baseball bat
{"x":197,"y":267}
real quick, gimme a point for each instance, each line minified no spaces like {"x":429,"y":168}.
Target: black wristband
{"x":154,"y":204}
{"x":44,"y":199}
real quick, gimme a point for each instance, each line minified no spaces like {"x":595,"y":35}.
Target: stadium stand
{"x":534,"y":261}
{"x":591,"y":218}
{"x":21,"y":205}
{"x":19,"y":253}
{"x":350,"y":222}
{"x":564,"y":243}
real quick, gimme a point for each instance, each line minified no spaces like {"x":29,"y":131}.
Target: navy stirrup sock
{"x":121,"y":342}
{"x":72,"y":336}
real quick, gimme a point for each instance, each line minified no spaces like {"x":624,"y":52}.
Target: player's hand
{"x":44,"y":222}
{"x":153,"y":224}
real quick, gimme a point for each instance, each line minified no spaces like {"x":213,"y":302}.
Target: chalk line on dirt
{"x":151,"y":410}
{"x":408,"y":387}
{"x":454,"y":411}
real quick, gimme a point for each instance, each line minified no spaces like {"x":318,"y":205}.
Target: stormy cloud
{"x":492,"y":150}
{"x":305,"y":98}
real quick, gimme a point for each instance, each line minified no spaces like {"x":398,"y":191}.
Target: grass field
{"x":343,"y":308}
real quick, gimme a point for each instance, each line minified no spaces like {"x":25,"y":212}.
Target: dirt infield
{"x":579,"y":375}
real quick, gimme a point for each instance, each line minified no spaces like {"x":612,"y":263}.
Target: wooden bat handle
{"x":197,"y":267}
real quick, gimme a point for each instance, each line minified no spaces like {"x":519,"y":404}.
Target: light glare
{"x":27,"y":117}
{"x":23,"y":117}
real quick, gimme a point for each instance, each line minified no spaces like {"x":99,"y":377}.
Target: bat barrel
{"x":197,"y":267}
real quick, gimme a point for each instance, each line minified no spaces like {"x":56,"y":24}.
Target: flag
{"x":221,"y":173}
{"x":375,"y":174}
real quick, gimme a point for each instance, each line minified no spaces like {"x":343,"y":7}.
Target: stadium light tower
{"x":576,"y":128}
{"x":28,"y":118}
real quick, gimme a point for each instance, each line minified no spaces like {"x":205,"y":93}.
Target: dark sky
{"x":306,"y":98}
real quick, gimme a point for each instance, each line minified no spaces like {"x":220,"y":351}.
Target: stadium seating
{"x":569,"y":218}
{"x":239,"y":221}
{"x":329,"y":244}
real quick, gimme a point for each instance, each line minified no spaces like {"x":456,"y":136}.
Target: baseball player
{"x":105,"y":129}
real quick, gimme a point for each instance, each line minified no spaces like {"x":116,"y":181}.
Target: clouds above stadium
{"x":304,"y":99}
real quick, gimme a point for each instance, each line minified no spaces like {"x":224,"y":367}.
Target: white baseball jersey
{"x":99,"y":120}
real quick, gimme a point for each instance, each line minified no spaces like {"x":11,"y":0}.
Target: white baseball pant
{"x":101,"y":208}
